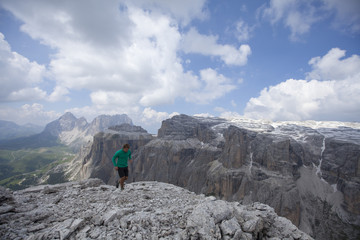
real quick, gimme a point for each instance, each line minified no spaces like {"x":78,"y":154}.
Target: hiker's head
{"x":126,"y":147}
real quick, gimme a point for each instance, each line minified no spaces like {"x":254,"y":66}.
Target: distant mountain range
{"x":11,"y":130}
{"x":40,"y":158}
{"x":67,"y":130}
{"x":307,"y":171}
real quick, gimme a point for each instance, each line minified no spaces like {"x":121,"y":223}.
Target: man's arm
{"x":114,"y":160}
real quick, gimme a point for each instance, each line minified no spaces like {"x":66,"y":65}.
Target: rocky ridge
{"x":75,"y":132}
{"x":144,"y":210}
{"x":309,"y":172}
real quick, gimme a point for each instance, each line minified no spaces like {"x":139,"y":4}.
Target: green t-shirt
{"x":122,"y":158}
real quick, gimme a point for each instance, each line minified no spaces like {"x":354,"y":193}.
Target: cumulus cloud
{"x":152,"y":118}
{"x":35,"y":112}
{"x":27,"y":94}
{"x":300,"y":15}
{"x":333,"y":67}
{"x":60,"y":93}
{"x":194,"y":42}
{"x":123,"y":52}
{"x":151,"y":114}
{"x":19,"y":76}
{"x":329,"y":93}
{"x":212,"y":86}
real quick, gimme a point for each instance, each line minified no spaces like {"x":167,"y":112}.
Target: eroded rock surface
{"x":144,"y":210}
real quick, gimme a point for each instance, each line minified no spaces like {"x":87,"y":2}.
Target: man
{"x":121,"y":165}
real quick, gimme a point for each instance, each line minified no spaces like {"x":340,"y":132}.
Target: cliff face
{"x":144,"y":210}
{"x":308,"y":173}
{"x":96,"y":159}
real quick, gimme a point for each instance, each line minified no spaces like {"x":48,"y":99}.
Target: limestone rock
{"x":307,"y":171}
{"x":144,"y":210}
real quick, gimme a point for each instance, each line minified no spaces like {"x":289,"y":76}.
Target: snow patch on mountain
{"x":298,"y":130}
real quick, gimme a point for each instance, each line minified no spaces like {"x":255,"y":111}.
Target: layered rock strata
{"x":308,"y":172}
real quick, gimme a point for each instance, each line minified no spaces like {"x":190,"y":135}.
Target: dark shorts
{"x":123,"y":171}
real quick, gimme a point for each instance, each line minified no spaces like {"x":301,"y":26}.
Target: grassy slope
{"x":24,"y":167}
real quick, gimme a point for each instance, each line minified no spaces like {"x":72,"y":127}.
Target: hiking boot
{"x":117,"y":184}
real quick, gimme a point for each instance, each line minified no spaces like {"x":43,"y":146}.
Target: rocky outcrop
{"x":96,"y":159}
{"x":308,"y":172}
{"x":144,"y":210}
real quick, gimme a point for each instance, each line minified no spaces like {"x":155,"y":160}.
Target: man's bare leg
{"x":122,"y":180}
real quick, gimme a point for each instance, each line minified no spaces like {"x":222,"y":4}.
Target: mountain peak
{"x":72,"y":130}
{"x":103,"y":122}
{"x":69,"y":116}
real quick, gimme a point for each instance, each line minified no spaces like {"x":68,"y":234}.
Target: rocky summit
{"x":89,"y":209}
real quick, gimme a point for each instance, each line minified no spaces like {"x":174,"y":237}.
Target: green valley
{"x":25,"y":167}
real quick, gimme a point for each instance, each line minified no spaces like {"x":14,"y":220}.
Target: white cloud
{"x":194,"y":42}
{"x":19,"y":76}
{"x":183,"y":11}
{"x":334,"y":95}
{"x":243,"y":31}
{"x":121,"y":52}
{"x":347,"y":15}
{"x":27,"y":94}
{"x":213,"y":86}
{"x":154,"y":116}
{"x":125,"y":54}
{"x":112,"y":98}
{"x":34,"y":112}
{"x":300,"y":15}
{"x":59,"y":93}
{"x":333,"y":67}
{"x":205,"y":115}
{"x":152,"y":119}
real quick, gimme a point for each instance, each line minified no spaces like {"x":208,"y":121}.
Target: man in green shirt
{"x":120,"y":161}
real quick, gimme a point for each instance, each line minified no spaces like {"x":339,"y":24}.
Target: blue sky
{"x":152,"y":59}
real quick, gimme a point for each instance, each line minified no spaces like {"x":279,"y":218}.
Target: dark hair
{"x":126,"y":146}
